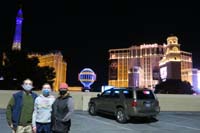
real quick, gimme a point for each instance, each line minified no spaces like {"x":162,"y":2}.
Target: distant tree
{"x":187,"y":88}
{"x":172,"y":86}
{"x":18,"y":67}
{"x":44,"y":75}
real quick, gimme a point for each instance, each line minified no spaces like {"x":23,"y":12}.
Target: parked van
{"x":125,"y":103}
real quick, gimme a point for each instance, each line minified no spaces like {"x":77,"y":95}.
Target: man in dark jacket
{"x":20,"y":108}
{"x":62,"y":110}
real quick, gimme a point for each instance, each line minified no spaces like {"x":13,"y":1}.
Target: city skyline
{"x":98,"y":28}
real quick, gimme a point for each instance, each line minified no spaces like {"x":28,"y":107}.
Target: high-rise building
{"x":146,"y":57}
{"x":56,"y":61}
{"x":186,"y":67}
{"x":118,"y":67}
{"x":136,"y":66}
{"x":144,"y":65}
{"x":18,"y":31}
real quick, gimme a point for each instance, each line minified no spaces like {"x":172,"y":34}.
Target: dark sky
{"x":85,"y":30}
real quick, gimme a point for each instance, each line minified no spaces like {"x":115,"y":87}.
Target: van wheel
{"x":92,"y":109}
{"x":121,"y":116}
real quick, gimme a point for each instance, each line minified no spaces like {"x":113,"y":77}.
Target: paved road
{"x":167,"y":122}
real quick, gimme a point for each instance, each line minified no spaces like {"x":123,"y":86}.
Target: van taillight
{"x":134,"y":104}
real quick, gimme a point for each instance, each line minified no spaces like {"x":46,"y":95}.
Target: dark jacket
{"x":16,"y":109}
{"x":61,"y":113}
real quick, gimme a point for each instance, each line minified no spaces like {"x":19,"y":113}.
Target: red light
{"x":134,"y":104}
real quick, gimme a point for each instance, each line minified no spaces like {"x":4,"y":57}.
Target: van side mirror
{"x":98,"y":95}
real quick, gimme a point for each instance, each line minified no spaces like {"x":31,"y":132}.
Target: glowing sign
{"x":163,"y":73}
{"x":198,"y":78}
{"x":106,"y":87}
{"x":87,"y":77}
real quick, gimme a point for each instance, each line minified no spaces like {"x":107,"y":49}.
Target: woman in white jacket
{"x":41,"y":120}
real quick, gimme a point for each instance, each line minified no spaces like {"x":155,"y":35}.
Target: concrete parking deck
{"x":167,"y":122}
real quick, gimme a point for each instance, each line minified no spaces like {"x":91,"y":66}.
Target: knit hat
{"x":63,"y":86}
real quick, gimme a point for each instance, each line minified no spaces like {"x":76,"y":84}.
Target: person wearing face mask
{"x":20,"y":108}
{"x":41,"y":119}
{"x":62,"y":110}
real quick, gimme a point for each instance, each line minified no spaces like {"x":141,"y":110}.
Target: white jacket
{"x":42,"y":109}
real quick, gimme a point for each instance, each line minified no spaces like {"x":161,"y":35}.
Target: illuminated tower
{"x":18,"y":30}
{"x":170,"y":65}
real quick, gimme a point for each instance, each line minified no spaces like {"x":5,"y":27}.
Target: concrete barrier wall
{"x":168,"y":102}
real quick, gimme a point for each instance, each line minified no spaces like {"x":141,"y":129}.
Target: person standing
{"x":62,"y":109}
{"x":41,"y":120}
{"x":20,"y":109}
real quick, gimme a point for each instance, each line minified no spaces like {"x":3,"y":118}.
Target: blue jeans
{"x":43,"y":127}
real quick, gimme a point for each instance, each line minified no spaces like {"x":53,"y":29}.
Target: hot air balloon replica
{"x":87,"y":78}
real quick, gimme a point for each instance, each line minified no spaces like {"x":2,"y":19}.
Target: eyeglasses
{"x":28,"y":83}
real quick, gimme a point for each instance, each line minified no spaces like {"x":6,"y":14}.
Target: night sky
{"x":85,"y":30}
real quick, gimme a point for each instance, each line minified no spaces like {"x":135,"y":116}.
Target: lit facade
{"x":195,"y":77}
{"x":146,"y":57}
{"x":186,"y":67}
{"x":143,"y":65}
{"x":118,"y":67}
{"x":18,"y":31}
{"x":137,"y":66}
{"x":54,"y":60}
{"x":170,"y":65}
{"x":178,"y":63}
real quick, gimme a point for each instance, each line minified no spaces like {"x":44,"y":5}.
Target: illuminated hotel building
{"x":146,"y":58}
{"x":136,"y":66}
{"x":140,"y":66}
{"x":118,"y":67}
{"x":186,"y":67}
{"x":54,"y":60}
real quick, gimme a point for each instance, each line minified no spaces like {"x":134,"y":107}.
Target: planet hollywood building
{"x":147,"y":64}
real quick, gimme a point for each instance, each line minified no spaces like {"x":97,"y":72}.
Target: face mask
{"x":46,"y":92}
{"x":27,"y":87}
{"x":63,"y":92}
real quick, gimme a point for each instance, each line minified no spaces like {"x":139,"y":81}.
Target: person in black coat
{"x":62,"y":109}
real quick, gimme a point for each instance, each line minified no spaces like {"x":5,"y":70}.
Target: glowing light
{"x":148,"y":46}
{"x":87,"y":77}
{"x":106,"y":87}
{"x":1,"y":78}
{"x":146,"y":92}
{"x":163,"y":73}
{"x":198,"y":80}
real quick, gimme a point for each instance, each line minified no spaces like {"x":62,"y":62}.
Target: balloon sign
{"x":87,"y":77}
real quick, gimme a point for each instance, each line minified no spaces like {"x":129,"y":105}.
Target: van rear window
{"x":128,"y":93}
{"x":145,"y":94}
